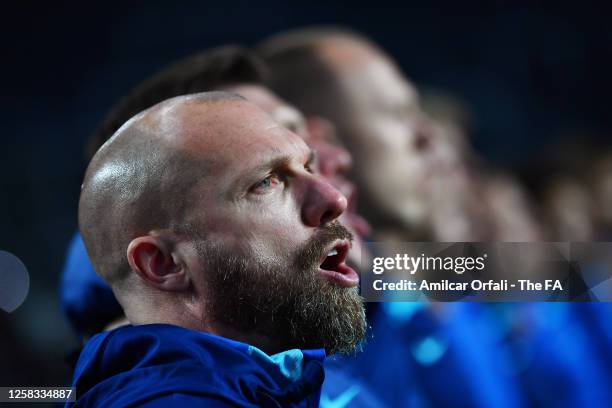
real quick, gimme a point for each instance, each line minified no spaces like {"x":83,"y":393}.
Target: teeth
{"x":333,"y":252}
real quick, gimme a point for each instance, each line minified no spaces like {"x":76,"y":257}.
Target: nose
{"x":333,"y":159}
{"x":321,"y":203}
{"x":423,"y":134}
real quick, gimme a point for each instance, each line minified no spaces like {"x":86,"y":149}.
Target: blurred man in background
{"x":505,"y":205}
{"x":406,"y":170}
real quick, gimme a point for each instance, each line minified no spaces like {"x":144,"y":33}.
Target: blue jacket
{"x":161,"y":365}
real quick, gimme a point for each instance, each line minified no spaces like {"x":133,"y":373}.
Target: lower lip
{"x":345,"y":276}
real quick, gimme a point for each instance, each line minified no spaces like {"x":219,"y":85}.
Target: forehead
{"x":259,"y":95}
{"x":365,"y":71}
{"x":279,"y":109}
{"x":234,"y":133}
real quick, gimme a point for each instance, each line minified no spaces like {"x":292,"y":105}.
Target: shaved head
{"x":140,"y":180}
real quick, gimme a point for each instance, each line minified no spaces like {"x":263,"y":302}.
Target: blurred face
{"x":332,"y":161}
{"x":394,"y":143}
{"x":270,"y":250}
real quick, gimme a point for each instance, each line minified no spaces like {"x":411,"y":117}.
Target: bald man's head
{"x":140,"y":180}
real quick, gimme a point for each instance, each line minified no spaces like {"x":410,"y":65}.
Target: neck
{"x":193,"y":318}
{"x":262,"y":342}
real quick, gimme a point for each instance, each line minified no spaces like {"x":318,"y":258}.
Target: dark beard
{"x":296,"y":308}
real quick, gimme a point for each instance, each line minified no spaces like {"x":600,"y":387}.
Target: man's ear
{"x":153,"y":260}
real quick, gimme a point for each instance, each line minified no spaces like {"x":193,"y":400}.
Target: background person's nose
{"x":322,"y":203}
{"x":423,"y":134}
{"x":421,"y":141}
{"x":333,"y":159}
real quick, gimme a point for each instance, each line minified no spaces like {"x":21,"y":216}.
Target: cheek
{"x":272,"y":228}
{"x":193,"y":260}
{"x":393,"y":174}
{"x":390,"y":140}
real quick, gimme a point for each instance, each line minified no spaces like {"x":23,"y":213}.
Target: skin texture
{"x":226,"y":193}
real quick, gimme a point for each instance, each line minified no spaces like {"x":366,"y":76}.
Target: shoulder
{"x":131,"y":366}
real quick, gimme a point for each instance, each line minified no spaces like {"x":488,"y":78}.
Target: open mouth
{"x":334,"y":267}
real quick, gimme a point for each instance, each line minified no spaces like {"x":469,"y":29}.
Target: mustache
{"x":309,"y":256}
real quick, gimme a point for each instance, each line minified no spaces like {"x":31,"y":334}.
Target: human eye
{"x":312,"y":163}
{"x":310,"y":167}
{"x":265,"y":185}
{"x":298,"y":127}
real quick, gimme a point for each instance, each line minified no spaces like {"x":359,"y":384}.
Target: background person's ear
{"x":152,"y":259}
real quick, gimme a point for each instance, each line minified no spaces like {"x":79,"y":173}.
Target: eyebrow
{"x":312,"y":158}
{"x":282,"y":161}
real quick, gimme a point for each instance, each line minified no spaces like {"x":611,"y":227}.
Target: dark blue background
{"x":529,"y":72}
